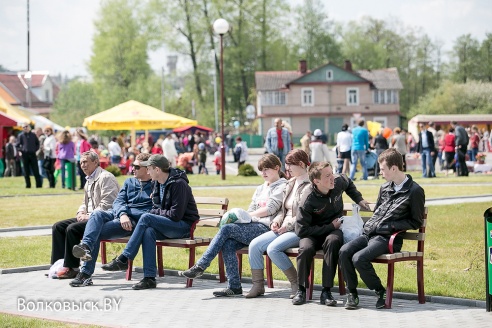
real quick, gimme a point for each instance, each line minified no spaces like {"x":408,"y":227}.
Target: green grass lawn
{"x":8,"y":320}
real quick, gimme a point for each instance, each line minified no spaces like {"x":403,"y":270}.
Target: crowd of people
{"x":452,"y":148}
{"x":47,"y":155}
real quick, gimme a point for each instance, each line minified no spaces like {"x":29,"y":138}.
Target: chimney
{"x":302,"y":66}
{"x":348,"y":65}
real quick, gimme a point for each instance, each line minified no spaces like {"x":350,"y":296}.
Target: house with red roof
{"x":327,"y":97}
{"x":36,"y":91}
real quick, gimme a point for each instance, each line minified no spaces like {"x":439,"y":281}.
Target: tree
{"x":314,"y":37}
{"x":119,"y":60}
{"x":486,"y":58}
{"x":466,"y":58}
{"x":76,"y":101}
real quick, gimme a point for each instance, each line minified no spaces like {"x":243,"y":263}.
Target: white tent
{"x":41,"y":122}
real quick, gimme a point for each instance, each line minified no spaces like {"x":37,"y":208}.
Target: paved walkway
{"x":171,"y":304}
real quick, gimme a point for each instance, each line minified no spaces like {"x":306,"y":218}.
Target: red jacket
{"x":449,"y":142}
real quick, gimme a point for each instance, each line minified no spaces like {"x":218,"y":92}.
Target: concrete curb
{"x":25,"y":269}
{"x":25,"y":228}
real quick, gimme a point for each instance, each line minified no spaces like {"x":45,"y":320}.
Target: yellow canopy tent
{"x":13,"y":112}
{"x":133,"y":115}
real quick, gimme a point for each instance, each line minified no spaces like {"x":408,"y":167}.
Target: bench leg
{"x":129,"y":270}
{"x":160,"y":265}
{"x":191,"y":262}
{"x":420,"y":281}
{"x":222,"y":277}
{"x":103,"y":252}
{"x":269,"y":273}
{"x":240,"y":265}
{"x":341,"y":282}
{"x":389,"y":287}
{"x":310,"y":287}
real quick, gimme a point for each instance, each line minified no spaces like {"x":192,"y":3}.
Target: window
{"x":307,"y":95}
{"x":352,"y":96}
{"x":383,"y":120}
{"x":47,"y":95}
{"x":329,"y":75}
{"x":385,"y":96}
{"x":272,"y":98}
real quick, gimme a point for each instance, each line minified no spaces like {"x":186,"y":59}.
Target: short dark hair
{"x":392,"y":158}
{"x":296,"y":157}
{"x":315,"y":169}
{"x":270,"y":161}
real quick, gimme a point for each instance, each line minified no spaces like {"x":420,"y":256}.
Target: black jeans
{"x":462,"y":168}
{"x":358,"y":254}
{"x":66,"y":234}
{"x":30,"y":163}
{"x":308,"y":246}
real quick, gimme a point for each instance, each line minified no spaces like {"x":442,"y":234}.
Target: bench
{"x":210,"y":209}
{"x":390,"y":259}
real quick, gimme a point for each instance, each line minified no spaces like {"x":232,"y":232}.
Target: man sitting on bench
{"x":132,"y":202}
{"x":400,"y":206}
{"x":173,"y":213}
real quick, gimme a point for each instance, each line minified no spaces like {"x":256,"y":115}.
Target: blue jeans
{"x":150,"y":228}
{"x":101,"y":225}
{"x":358,"y":155}
{"x":275,"y":245}
{"x":426,"y":160}
{"x":229,"y":239}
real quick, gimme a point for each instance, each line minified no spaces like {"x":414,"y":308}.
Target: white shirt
{"x":114,"y":149}
{"x":344,"y":141}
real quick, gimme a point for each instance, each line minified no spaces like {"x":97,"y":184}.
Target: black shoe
{"x":115,"y":265}
{"x":82,"y":252}
{"x":145,"y":283}
{"x":381,"y":302}
{"x":229,"y":292}
{"x":327,"y":299}
{"x":299,"y":298}
{"x":352,"y":302}
{"x":81,"y":280}
{"x":193,"y":272}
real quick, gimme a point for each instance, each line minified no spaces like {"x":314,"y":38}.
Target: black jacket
{"x":178,"y":202}
{"x":430,"y":141}
{"x":396,"y":211}
{"x":317,"y":211}
{"x":27,"y":142}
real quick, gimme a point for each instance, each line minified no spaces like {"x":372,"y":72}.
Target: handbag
{"x":352,"y":225}
{"x":48,"y":164}
{"x":235,"y":215}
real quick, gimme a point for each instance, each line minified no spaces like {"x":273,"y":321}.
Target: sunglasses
{"x":137,"y":167}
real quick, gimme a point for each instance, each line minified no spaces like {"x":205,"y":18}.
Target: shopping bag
{"x":352,"y":225}
{"x":235,"y":215}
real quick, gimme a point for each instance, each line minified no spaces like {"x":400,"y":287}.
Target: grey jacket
{"x":275,"y":193}
{"x":103,"y":191}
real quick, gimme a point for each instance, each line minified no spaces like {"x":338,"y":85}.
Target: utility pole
{"x":163,"y":107}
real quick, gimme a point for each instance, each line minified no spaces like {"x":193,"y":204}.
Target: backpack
{"x":237,"y":153}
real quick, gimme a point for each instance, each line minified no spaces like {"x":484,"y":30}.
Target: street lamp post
{"x":221,"y":27}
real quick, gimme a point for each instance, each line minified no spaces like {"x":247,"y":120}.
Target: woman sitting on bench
{"x":231,"y":237}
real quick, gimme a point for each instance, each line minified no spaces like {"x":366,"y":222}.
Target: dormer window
{"x":329,"y":75}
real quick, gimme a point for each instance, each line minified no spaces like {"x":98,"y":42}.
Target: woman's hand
{"x":274,"y":227}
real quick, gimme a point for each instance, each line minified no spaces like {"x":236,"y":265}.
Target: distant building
{"x":327,"y":97}
{"x":37,"y":92}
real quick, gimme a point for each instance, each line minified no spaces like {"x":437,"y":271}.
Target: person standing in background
{"x":66,"y":152}
{"x":399,"y":142}
{"x":278,"y":141}
{"x":344,"y":144}
{"x":49,"y":150}
{"x":461,"y":144}
{"x":27,"y":144}
{"x":427,"y":149}
{"x":40,"y":154}
{"x":114,"y":151}
{"x":380,"y":144}
{"x":305,"y":141}
{"x":360,"y":144}
{"x":319,"y":150}
{"x":82,"y":146}
{"x":10,"y":157}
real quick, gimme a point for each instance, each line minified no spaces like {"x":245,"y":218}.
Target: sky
{"x":61,"y":30}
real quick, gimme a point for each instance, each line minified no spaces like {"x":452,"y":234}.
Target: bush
{"x":114,"y":169}
{"x":247,"y":170}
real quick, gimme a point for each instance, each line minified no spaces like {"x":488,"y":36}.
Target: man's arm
{"x":120,"y":204}
{"x":268,"y":142}
{"x":109,"y":191}
{"x":179,"y":201}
